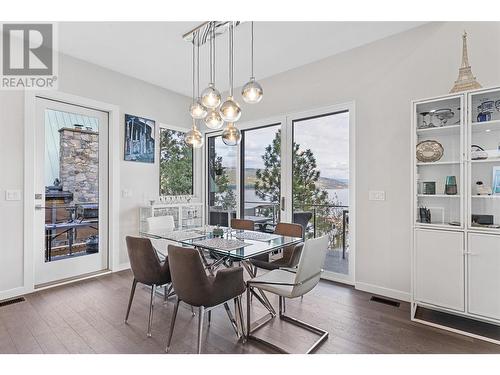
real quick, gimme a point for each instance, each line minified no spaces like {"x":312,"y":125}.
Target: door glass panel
{"x":320,"y":183}
{"x":221,"y":181}
{"x":485,"y":161}
{"x":261,"y":175}
{"x":439,"y":175}
{"x":71,"y":185}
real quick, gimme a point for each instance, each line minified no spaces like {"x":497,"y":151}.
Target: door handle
{"x":282,"y":203}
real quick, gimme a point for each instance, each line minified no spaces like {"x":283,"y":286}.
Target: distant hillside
{"x":324,"y":182}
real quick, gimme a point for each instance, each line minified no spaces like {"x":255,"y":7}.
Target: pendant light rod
{"x":198,"y":69}
{"x":252,"y":52}
{"x":231,"y":58}
{"x":193,"y":72}
{"x":210,"y":60}
{"x":214,"y":52}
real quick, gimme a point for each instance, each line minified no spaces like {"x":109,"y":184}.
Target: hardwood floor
{"x":87,"y":317}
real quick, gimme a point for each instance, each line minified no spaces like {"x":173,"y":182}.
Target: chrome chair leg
{"x":172,"y":325}
{"x":201,"y":315}
{"x":151,"y":303}
{"x":240,"y":316}
{"x":132,"y":292}
{"x":231,"y":319}
{"x":248,"y":311}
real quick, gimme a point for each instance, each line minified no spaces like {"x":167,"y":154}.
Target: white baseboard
{"x":11,"y":293}
{"x":121,"y":267}
{"x":381,"y":291}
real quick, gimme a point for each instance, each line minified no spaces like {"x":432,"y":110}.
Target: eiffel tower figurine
{"x":466,"y":80}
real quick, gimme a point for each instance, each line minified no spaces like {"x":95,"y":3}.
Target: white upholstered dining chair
{"x":288,"y":283}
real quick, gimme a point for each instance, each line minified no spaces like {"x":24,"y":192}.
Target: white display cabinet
{"x":439,"y":122}
{"x":456,"y":249}
{"x":186,"y":215}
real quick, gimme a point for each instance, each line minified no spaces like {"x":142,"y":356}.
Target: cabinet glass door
{"x":439,"y":150}
{"x":484,"y":157}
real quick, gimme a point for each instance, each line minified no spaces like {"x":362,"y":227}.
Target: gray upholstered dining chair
{"x":242,"y":224}
{"x":147,"y":269}
{"x":194,"y":287}
{"x":291,"y":254}
{"x":288,"y":283}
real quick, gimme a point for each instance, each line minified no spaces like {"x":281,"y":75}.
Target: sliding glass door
{"x":221,"y":181}
{"x":260,"y":182}
{"x":320,"y":182}
{"x":297,"y":168}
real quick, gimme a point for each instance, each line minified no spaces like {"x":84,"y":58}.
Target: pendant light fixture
{"x":210,"y":97}
{"x":231,"y":135}
{"x":230,"y":110}
{"x":252,"y":91}
{"x":197,"y":109}
{"x":206,"y":107}
{"x":194,"y":138}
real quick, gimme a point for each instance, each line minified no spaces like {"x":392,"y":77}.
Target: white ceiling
{"x":156,"y":53}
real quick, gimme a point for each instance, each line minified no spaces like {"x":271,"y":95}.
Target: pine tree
{"x":176,"y":164}
{"x":307,"y":192}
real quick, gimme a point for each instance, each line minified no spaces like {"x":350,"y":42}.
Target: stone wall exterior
{"x":79,"y":164}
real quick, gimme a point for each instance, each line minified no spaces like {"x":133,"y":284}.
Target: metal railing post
{"x":314,"y":221}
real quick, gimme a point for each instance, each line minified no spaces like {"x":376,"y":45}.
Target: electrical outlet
{"x":376,"y":195}
{"x":12,"y":195}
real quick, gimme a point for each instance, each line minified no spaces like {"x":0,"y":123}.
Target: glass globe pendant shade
{"x":230,"y":110}
{"x":231,"y":135}
{"x":213,"y":120}
{"x":197,"y":110}
{"x":210,"y":97}
{"x":252,"y":91}
{"x":194,"y":138}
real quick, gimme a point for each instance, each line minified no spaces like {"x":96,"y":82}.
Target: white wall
{"x":382,"y":78}
{"x":83,"y":79}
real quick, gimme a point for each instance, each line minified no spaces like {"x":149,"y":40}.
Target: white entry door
{"x":71,"y":191}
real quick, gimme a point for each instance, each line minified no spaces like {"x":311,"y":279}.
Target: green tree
{"x":224,"y":196}
{"x":176,"y":164}
{"x":308,"y":195}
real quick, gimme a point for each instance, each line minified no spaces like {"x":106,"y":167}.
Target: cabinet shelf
{"x":489,"y":160}
{"x":441,"y":130}
{"x":420,"y":164}
{"x":437,"y":196}
{"x":486,"y":196}
{"x":485,"y":125}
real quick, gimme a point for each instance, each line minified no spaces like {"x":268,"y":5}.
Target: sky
{"x":327,"y":137}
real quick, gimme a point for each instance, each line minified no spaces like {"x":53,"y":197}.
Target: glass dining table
{"x":233,"y":246}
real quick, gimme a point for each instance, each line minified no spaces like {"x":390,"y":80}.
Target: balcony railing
{"x":317,"y":219}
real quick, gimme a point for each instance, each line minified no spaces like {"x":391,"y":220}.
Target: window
{"x":176,"y":164}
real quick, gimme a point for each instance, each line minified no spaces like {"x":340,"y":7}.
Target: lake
{"x":342,"y":194}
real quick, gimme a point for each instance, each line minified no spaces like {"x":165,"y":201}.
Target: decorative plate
{"x":429,"y":151}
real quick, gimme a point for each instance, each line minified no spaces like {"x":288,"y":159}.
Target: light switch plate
{"x":126,"y":193}
{"x":12,"y":195}
{"x":376,"y":195}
